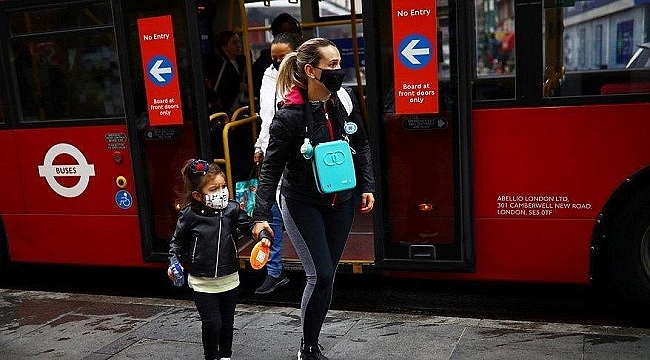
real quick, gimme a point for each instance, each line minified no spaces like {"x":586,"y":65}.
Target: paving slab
{"x":45,"y":325}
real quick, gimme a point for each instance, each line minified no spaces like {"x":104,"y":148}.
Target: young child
{"x":206,"y":238}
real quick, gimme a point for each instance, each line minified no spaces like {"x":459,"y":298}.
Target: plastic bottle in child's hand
{"x":177,"y":270}
{"x":261,"y":252}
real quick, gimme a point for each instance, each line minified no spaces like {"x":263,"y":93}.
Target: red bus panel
{"x":541,"y":177}
{"x":78,"y":197}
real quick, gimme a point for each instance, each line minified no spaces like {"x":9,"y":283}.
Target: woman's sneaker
{"x":271,"y":283}
{"x":311,"y":353}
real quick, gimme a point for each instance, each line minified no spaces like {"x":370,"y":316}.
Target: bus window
{"x":495,"y":51}
{"x":341,"y":35}
{"x":262,"y":16}
{"x":590,"y":49}
{"x":338,"y":8}
{"x":70,"y":17}
{"x":65,"y":76}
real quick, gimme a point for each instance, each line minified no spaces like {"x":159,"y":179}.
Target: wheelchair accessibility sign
{"x":82,"y":169}
{"x":123,"y":199}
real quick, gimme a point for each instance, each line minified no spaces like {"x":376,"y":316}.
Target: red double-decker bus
{"x":509,"y":137}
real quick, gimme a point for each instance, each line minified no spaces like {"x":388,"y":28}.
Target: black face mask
{"x":276,"y":65}
{"x":332,"y":78}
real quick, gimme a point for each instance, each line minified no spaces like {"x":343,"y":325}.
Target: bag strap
{"x":223,"y":67}
{"x":345,"y":99}
{"x":255,"y":170}
{"x":309,"y":115}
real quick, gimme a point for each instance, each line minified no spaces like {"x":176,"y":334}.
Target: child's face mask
{"x":218,"y":199}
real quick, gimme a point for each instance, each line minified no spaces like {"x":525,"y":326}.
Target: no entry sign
{"x":414,"y":56}
{"x":161,"y":73}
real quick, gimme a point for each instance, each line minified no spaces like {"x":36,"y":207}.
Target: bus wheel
{"x":629,"y":254}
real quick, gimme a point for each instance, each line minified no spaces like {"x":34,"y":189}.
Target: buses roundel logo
{"x":82,"y":169}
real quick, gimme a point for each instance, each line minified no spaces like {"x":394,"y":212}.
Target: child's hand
{"x":170,"y":274}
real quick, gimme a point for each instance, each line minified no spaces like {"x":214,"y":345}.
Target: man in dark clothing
{"x":281,"y":23}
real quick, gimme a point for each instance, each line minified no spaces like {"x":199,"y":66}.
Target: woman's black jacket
{"x":227,"y":90}
{"x":283,"y":157}
{"x":206,"y":239}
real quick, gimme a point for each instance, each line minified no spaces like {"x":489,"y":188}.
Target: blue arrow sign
{"x":415,"y":51}
{"x":159,"y":70}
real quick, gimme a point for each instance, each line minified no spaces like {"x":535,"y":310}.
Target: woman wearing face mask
{"x":317,"y":224}
{"x":205,"y":238}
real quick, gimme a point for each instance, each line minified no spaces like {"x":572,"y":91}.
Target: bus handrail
{"x":242,"y":110}
{"x":238,"y":112}
{"x":226,"y":148}
{"x":308,"y":25}
{"x":219,"y":115}
{"x":249,"y":62}
{"x":357,"y":61}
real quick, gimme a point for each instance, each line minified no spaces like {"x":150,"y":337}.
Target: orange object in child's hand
{"x":262,"y":250}
{"x":260,"y":255}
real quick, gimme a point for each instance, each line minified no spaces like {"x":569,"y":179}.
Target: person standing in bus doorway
{"x":225,"y":75}
{"x":227,"y":91}
{"x":282,"y":23}
{"x":205,"y":237}
{"x":317,"y":224}
{"x":281,"y":45}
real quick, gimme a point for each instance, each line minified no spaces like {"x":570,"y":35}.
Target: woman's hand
{"x":367,"y":202}
{"x":258,"y":227}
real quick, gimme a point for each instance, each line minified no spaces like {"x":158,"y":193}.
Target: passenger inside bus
{"x":227,"y":91}
{"x":281,"y":23}
{"x":225,"y":74}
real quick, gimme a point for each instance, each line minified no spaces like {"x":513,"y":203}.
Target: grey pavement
{"x":44,"y":325}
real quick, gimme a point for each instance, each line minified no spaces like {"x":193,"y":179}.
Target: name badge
{"x":350,"y":128}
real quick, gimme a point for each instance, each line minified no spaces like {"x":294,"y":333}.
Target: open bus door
{"x":155,"y":34}
{"x":418,"y":80}
{"x":169,"y":120}
{"x":341,"y":23}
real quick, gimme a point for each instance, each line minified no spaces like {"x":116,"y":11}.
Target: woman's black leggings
{"x":217,"y":313}
{"x":318,"y":234}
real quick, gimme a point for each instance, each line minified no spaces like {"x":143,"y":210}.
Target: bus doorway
{"x":169,"y":121}
{"x":342,"y":23}
{"x":415,"y":83}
